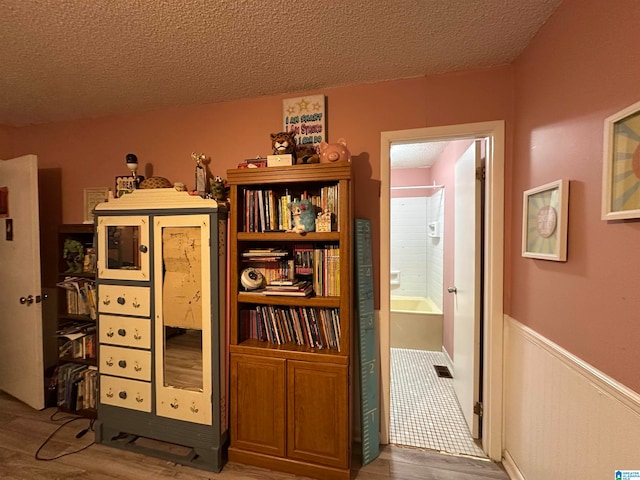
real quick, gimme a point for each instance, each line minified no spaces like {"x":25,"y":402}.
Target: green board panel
{"x":370,"y":412}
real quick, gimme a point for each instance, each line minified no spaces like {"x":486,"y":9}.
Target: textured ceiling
{"x":63,"y":60}
{"x":412,"y":155}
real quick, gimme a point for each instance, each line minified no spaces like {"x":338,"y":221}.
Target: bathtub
{"x":416,"y":323}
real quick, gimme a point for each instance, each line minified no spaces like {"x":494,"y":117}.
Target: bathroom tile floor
{"x":424,"y":409}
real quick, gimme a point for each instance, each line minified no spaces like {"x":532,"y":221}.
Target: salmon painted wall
{"x":92,"y":152}
{"x":581,"y":67}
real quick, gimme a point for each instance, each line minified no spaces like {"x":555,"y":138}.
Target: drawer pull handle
{"x":122,"y":332}
{"x":139,"y":399}
{"x":109,"y":362}
{"x":121,"y":300}
{"x":110,"y":332}
{"x":109,"y":394}
{"x":123,"y":395}
{"x":175,"y":404}
{"x":122,"y":364}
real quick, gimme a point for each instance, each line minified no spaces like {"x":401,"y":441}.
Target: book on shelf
{"x":302,"y":289}
{"x":311,"y":326}
{"x":77,"y":340}
{"x":80,"y":296}
{"x":273,"y":269}
{"x":284,"y":282}
{"x":77,"y":386}
{"x":264,"y":253}
{"x":303,"y":258}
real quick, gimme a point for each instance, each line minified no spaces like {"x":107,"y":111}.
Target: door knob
{"x":26,"y":300}
{"x":452,"y":290}
{"x":30,"y":299}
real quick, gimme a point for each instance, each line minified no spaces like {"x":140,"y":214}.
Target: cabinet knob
{"x":144,"y":249}
{"x":122,"y":332}
{"x":121,"y":300}
{"x":122,"y":364}
{"x":123,"y":395}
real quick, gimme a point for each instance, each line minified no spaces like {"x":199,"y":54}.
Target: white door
{"x":467,"y":283}
{"x":21,"y":353}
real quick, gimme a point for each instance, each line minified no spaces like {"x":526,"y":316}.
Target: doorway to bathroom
{"x":416,"y":339}
{"x":425,"y":410}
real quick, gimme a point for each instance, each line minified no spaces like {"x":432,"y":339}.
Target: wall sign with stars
{"x":305,"y":116}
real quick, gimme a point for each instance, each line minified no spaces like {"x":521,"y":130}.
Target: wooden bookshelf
{"x":290,"y":400}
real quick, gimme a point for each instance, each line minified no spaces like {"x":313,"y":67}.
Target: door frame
{"x":492,"y":394}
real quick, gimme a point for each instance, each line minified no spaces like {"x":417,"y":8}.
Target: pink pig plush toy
{"x":334,"y":152}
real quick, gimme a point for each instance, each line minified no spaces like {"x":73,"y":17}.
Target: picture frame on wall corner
{"x":545,"y":212}
{"x":92,"y":197}
{"x":621,"y":165}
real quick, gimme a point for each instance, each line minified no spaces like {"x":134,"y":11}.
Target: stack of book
{"x":289,"y":288}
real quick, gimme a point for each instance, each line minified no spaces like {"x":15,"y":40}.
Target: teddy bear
{"x":334,"y":152}
{"x":284,"y":143}
{"x":304,"y":216}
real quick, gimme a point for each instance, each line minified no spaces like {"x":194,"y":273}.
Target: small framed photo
{"x":92,"y":197}
{"x":621,"y":165}
{"x":545,"y":212}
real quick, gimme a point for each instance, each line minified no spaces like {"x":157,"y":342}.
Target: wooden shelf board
{"x":289,"y":350}
{"x":293,"y":301}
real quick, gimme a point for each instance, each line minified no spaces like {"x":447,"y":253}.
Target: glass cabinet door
{"x":123,"y":244}
{"x":182,"y":286}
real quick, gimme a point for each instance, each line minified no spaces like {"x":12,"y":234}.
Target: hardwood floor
{"x":23,"y":431}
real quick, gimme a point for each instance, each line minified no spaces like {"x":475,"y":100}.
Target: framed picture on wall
{"x":92,"y":197}
{"x":621,"y":165}
{"x":544,"y":221}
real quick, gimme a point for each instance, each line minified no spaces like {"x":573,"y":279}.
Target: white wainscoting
{"x":563,"y":418}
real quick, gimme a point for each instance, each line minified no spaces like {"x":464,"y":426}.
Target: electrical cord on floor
{"x":80,"y":434}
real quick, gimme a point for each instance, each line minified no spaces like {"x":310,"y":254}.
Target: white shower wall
{"x":417,"y":256}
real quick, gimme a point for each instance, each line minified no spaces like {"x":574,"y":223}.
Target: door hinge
{"x":480,"y":173}
{"x":477,"y":409}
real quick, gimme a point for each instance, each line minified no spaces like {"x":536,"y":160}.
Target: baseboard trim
{"x":511,"y":467}
{"x":448,"y":360}
{"x":601,"y":381}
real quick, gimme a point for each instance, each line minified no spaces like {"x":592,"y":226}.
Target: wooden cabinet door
{"x":258,"y":404}
{"x":318,"y":413}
